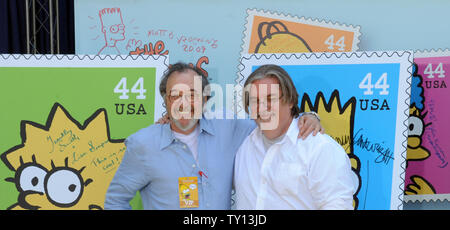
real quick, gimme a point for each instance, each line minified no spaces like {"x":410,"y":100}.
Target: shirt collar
{"x":206,"y":126}
{"x":167,"y":135}
{"x":291,"y":134}
{"x":293,"y":131}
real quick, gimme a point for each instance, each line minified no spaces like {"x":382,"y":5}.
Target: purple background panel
{"x":436,"y":136}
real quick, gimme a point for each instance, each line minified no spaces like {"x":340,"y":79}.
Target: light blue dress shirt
{"x":154,"y":160}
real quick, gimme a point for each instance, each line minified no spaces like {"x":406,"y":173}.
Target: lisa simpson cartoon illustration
{"x":63,"y":165}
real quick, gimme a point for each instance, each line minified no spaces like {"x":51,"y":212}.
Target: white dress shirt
{"x":293,"y":174}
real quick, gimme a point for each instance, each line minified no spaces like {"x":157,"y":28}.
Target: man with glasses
{"x":187,"y":163}
{"x":276,"y":170}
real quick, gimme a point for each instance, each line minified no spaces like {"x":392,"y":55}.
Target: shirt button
{"x":193,"y":166}
{"x":184,"y":146}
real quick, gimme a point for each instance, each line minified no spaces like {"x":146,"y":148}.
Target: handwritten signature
{"x":66,"y":138}
{"x":432,"y":137}
{"x":437,"y":149}
{"x":385,"y":155}
{"x":109,"y":162}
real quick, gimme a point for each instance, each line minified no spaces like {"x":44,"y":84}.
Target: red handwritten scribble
{"x":159,"y":49}
{"x":190,"y":49}
{"x":200,"y":62}
{"x":149,"y":49}
{"x":196,"y":41}
{"x":133,"y":44}
{"x":188,"y":43}
{"x":159,"y":32}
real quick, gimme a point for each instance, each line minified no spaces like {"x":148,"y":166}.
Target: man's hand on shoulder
{"x":309,"y":123}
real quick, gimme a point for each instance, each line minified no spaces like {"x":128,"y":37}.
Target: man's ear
{"x":204,"y":101}
{"x":165,"y":101}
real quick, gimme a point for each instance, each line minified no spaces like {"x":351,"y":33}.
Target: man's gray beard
{"x":189,"y":126}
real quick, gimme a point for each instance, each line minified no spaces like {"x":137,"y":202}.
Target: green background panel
{"x":28,"y":93}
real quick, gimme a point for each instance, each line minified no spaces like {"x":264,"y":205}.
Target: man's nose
{"x":185,"y":100}
{"x":262,"y":106}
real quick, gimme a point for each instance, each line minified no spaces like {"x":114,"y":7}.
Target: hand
{"x":308,"y":124}
{"x":133,"y":44}
{"x":163,"y":120}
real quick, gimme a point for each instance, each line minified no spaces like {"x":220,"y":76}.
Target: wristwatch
{"x":313,"y":113}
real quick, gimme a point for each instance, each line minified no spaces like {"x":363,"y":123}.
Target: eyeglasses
{"x":271,"y":99}
{"x":177,"y":95}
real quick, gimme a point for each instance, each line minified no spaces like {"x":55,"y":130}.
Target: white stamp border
{"x":288,"y":17}
{"x":429,"y":197}
{"x":107,"y":61}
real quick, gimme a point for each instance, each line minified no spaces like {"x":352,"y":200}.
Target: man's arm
{"x":331,"y":180}
{"x":307,"y":123}
{"x":130,"y":177}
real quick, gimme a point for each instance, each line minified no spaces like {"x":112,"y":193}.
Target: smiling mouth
{"x":24,"y":204}
{"x":182,"y":114}
{"x":27,"y":206}
{"x":95,"y":207}
{"x":265,"y":116}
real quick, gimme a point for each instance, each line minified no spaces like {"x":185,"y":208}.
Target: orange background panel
{"x":315,"y":36}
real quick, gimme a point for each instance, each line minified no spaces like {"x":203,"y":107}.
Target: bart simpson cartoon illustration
{"x":338,"y":122}
{"x":112,"y":28}
{"x":185,"y":191}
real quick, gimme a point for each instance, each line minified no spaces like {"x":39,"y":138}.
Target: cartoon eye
{"x":32,"y":178}
{"x":415,"y":126}
{"x":186,"y":191}
{"x":114,"y":29}
{"x":64,"y":187}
